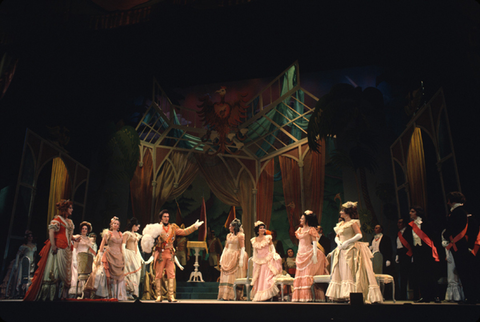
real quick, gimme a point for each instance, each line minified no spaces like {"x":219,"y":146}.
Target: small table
{"x":196,"y":275}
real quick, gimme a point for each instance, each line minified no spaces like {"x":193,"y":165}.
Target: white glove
{"x":149,"y":260}
{"x":314,"y":258}
{"x":387,"y":263}
{"x":178,"y":264}
{"x":396,"y":259}
{"x":350,"y":241}
{"x":198,"y":224}
{"x":445,"y":243}
{"x":242,"y":252}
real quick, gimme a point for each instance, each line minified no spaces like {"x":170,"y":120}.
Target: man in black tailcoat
{"x":381,"y":244}
{"x":425,"y":257}
{"x":403,"y":257}
{"x":455,"y":235}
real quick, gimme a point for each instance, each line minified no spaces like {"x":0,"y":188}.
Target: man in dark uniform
{"x":403,"y":257}
{"x":455,"y":235}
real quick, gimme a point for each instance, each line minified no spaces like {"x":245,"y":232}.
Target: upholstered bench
{"x":284,"y":280}
{"x":319,"y":279}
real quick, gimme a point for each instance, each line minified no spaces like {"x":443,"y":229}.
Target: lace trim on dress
{"x":340,"y":227}
{"x":259,"y":244}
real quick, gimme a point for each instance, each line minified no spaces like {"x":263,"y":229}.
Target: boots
{"x":171,"y":290}
{"x":158,"y":290}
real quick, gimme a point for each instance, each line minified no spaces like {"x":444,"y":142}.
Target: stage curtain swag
{"x":225,"y":187}
{"x":416,"y":170}
{"x":314,"y":179}
{"x":141,"y":189}
{"x":265,"y":193}
{"x":176,"y":175}
{"x":291,"y":192}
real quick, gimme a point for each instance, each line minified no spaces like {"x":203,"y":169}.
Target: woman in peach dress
{"x":310,"y":261}
{"x":108,"y":280}
{"x":267,"y":265}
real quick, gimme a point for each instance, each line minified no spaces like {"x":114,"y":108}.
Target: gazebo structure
{"x":233,"y":145}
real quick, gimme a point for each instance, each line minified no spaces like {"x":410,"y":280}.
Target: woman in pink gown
{"x":267,"y":265}
{"x":310,"y":261}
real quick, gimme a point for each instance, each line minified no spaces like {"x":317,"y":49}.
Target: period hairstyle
{"x":350,"y":208}
{"x":112,"y":220}
{"x":310,"y":218}
{"x":131,"y":222}
{"x":456,"y":197}
{"x":258,"y":224}
{"x":419,"y":210}
{"x":28,"y":233}
{"x":89,"y":226}
{"x":160,"y":214}
{"x":63,"y":206}
{"x":236,"y":224}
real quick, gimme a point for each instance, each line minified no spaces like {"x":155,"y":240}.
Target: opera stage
{"x":203,"y":310}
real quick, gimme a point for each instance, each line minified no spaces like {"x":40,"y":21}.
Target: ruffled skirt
{"x":306,"y":269}
{"x":352,"y":272}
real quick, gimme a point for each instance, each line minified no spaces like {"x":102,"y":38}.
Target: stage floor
{"x":203,"y":310}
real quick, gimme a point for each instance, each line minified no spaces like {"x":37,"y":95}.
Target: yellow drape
{"x":58,"y":182}
{"x":416,"y":173}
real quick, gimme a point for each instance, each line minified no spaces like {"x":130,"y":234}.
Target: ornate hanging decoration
{"x":222,"y":120}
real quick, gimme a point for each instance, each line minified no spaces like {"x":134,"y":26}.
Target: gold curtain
{"x":222,"y":183}
{"x":416,"y":173}
{"x":59,"y":187}
{"x":314,"y":180}
{"x":174,"y":177}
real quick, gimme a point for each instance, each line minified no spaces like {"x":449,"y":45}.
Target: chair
{"x":245,"y":281}
{"x":319,"y":279}
{"x":383,"y":279}
{"x":85,"y":264}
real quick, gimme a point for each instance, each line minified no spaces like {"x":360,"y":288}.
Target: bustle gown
{"x":306,"y":269}
{"x":230,"y":266}
{"x":54,"y":273}
{"x":109,"y":270}
{"x":133,"y":263}
{"x":267,"y":265}
{"x":352,"y":269}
